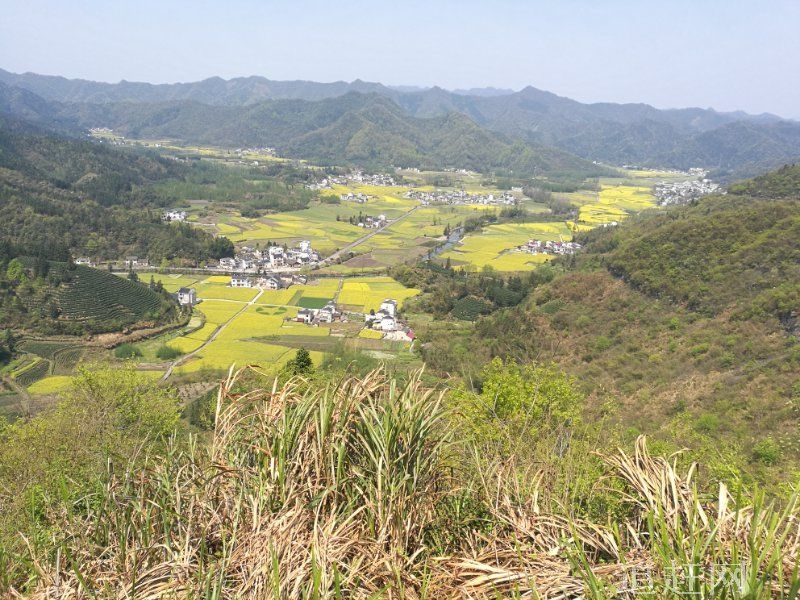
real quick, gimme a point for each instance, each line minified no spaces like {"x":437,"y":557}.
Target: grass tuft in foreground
{"x":356,"y":490}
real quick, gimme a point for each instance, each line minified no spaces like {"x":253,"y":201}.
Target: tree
{"x":301,"y":364}
{"x":16,"y":271}
{"x":519,"y":402}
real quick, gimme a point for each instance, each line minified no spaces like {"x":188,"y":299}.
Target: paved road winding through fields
{"x":333,"y":257}
{"x":211,"y":338}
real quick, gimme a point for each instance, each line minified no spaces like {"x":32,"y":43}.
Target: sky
{"x":724,"y":54}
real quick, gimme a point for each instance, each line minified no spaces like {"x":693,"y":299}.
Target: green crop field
{"x":173,"y":282}
{"x":50,"y":385}
{"x":365,"y":293}
{"x":33,"y":372}
{"x":493,"y":246}
{"x":287,"y":297}
{"x":266,"y":333}
{"x":219,"y":291}
{"x":219,"y":311}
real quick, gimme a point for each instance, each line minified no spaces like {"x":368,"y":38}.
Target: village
{"x":683,"y":192}
{"x":274,"y":258}
{"x":460,"y":197}
{"x":354,"y":178}
{"x":559,"y":248}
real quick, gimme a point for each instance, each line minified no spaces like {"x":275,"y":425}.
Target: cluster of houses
{"x":386,"y":320}
{"x":549,"y":247}
{"x":174,"y":216}
{"x":266,"y":281}
{"x":369,"y":222}
{"x":134,"y":262}
{"x":461,"y":197}
{"x":683,"y":192}
{"x":354,"y":177}
{"x":314,"y":316}
{"x":253,"y":260}
{"x":264,"y":151}
{"x":357,"y":197}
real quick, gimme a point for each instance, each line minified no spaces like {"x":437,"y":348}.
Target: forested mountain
{"x":62,"y":196}
{"x":367,"y":130}
{"x":730,"y":143}
{"x":214,"y":90}
{"x":683,"y":324}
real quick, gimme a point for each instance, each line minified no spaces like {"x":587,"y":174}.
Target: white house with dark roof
{"x":187,"y":296}
{"x":240,"y":281}
{"x":389,"y":306}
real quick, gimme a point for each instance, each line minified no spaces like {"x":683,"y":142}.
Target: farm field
{"x":492,"y":246}
{"x":317,"y":223}
{"x":366,"y":293}
{"x":616,"y":199}
{"x":265,"y":332}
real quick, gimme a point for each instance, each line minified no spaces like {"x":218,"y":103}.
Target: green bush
{"x":127,"y":351}
{"x":767,"y":451}
{"x":167,"y":352}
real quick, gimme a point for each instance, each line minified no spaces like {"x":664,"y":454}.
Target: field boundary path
{"x":23,"y":397}
{"x":330,"y":259}
{"x":212,"y":337}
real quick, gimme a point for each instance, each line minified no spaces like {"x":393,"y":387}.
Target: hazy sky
{"x":726,"y":54}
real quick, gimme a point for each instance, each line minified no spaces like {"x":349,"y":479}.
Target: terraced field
{"x":106,"y":299}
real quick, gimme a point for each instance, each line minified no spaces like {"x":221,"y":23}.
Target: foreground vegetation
{"x":372,"y":487}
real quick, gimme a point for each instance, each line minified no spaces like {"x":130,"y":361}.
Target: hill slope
{"x":682,"y":324}
{"x":56,"y":298}
{"x":369,"y":130}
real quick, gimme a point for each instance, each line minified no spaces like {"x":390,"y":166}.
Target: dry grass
{"x":334,"y":493}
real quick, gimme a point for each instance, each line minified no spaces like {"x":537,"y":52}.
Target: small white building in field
{"x":187,"y":296}
{"x":240,"y":281}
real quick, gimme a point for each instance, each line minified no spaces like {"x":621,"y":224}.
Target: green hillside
{"x":61,"y":196}
{"x":94,"y":295}
{"x":682,"y":324}
{"x":364,"y":129}
{"x":76,"y":300}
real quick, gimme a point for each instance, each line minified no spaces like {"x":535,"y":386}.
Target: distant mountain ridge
{"x":734,"y":143}
{"x":363,"y":129}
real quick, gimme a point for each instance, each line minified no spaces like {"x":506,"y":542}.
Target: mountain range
{"x":379,"y":125}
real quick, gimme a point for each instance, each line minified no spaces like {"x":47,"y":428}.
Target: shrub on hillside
{"x":127,"y":351}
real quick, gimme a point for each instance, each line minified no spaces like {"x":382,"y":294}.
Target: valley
{"x":303,"y":340}
{"x":419,"y":210}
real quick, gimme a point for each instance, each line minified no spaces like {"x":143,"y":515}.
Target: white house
{"x":270,"y":283}
{"x":305,"y":315}
{"x":227,"y":263}
{"x":400,"y":335}
{"x":187,"y":296}
{"x":387,"y":324}
{"x":174,"y":215}
{"x":389,"y":307}
{"x":305,"y":246}
{"x":240,"y":281}
{"x":327,"y":313}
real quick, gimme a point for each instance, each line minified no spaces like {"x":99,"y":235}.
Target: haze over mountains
{"x":530,"y":131}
